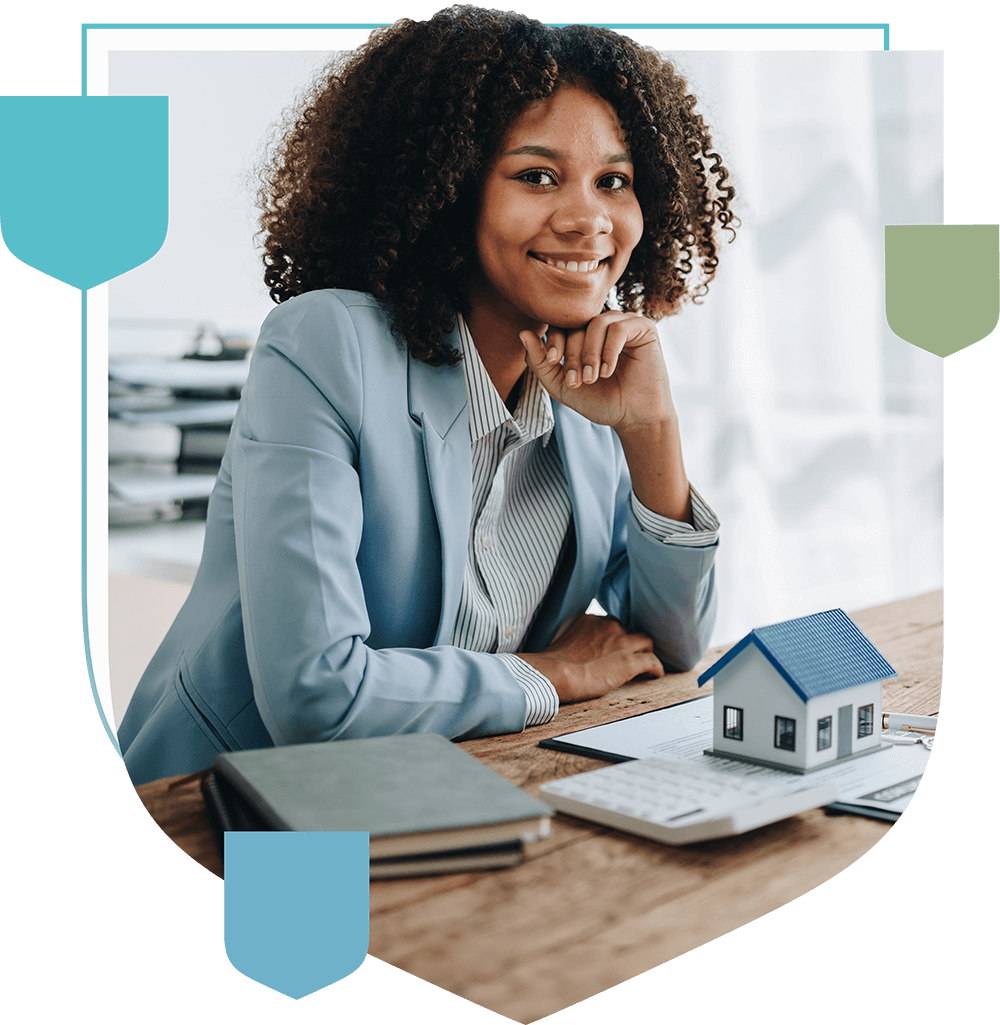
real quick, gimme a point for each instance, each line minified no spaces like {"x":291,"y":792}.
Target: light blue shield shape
{"x":296,"y":907}
{"x":83,"y":183}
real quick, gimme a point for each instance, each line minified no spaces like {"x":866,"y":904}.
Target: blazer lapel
{"x":438,"y":401}
{"x":589,"y":462}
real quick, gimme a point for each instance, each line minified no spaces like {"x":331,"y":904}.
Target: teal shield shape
{"x":83,"y":183}
{"x":296,"y":907}
{"x":942,"y":284}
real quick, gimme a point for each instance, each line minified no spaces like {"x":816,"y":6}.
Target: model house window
{"x":732,"y":722}
{"x":866,"y":720}
{"x":824,"y":733}
{"x":784,"y":733}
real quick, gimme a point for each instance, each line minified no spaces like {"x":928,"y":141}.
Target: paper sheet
{"x":884,"y":779}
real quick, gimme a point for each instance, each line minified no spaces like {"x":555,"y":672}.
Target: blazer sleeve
{"x":661,"y":589}
{"x":298,"y":518}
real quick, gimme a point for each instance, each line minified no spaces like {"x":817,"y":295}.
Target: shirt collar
{"x":532,"y":416}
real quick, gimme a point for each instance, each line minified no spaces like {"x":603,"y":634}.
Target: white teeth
{"x":574,"y":265}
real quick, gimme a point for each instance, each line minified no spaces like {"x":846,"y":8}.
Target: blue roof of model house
{"x":817,"y":654}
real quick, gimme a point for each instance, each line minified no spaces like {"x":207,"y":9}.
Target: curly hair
{"x":375,"y":185}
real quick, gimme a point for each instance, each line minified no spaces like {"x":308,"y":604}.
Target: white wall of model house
{"x":751,"y":684}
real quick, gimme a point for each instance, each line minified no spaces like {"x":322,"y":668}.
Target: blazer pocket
{"x":215,"y":733}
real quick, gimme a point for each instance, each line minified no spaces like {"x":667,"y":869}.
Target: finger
{"x":571,"y":358}
{"x":615,"y":340}
{"x":639,"y":657}
{"x":534,"y":348}
{"x":625,"y":331}
{"x":625,"y":666}
{"x":593,"y":348}
{"x":645,"y":662}
{"x":555,"y":344}
{"x":550,"y":374}
{"x":640,"y":642}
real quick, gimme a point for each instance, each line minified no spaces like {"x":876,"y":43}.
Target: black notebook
{"x":417,"y":795}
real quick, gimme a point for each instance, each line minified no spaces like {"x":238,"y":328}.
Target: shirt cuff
{"x":703,"y":534}
{"x":543,"y":701}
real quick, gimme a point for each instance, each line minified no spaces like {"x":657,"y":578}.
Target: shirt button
{"x":485,"y":542}
{"x":509,"y":632}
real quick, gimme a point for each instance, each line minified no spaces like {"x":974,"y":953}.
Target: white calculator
{"x":678,"y":802}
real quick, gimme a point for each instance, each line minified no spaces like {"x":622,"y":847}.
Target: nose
{"x":581,"y":211}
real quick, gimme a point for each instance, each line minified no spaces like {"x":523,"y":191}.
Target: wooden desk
{"x":592,"y":907}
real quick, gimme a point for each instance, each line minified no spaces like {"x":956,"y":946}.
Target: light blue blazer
{"x":335,"y":550}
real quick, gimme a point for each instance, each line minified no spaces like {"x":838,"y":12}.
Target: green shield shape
{"x":83,"y":183}
{"x":942,"y":283}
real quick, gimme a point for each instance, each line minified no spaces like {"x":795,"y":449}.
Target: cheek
{"x":499,"y":245}
{"x":490,"y":249}
{"x":631,"y":226}
{"x":493,"y":231}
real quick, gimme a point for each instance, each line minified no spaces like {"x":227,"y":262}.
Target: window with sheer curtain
{"x":813,"y":431}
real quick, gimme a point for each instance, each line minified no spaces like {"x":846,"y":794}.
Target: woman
{"x":450,"y":442}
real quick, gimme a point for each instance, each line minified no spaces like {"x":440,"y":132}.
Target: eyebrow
{"x":551,"y":154}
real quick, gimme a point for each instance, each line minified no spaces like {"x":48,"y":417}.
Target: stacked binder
{"x":428,"y":806}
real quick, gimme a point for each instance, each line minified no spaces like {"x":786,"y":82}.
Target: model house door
{"x":845,"y":730}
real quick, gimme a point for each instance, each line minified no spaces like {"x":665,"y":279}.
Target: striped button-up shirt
{"x":520,"y":519}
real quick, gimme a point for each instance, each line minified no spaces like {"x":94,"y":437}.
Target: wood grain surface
{"x":591,"y":907}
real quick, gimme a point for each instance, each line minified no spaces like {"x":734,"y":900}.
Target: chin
{"x":571,"y":317}
{"x":568,"y":324}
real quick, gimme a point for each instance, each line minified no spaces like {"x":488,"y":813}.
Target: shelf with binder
{"x":196,"y":401}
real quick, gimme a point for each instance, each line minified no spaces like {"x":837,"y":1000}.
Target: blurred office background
{"x":812,"y":430}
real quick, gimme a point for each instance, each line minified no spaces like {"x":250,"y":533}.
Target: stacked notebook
{"x":428,"y":806}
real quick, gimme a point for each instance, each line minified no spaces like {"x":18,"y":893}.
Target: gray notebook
{"x":414,"y":793}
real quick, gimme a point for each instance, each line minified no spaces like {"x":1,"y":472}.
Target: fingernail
{"x":571,"y":377}
{"x":552,"y":355}
{"x":605,"y":370}
{"x":588,"y":374}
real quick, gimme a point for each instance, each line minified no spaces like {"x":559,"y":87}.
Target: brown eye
{"x":537,"y":177}
{"x":615,"y":182}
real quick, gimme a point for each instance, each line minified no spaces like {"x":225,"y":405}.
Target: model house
{"x":799,"y":695}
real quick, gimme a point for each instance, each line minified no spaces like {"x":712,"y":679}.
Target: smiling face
{"x":558,"y":216}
